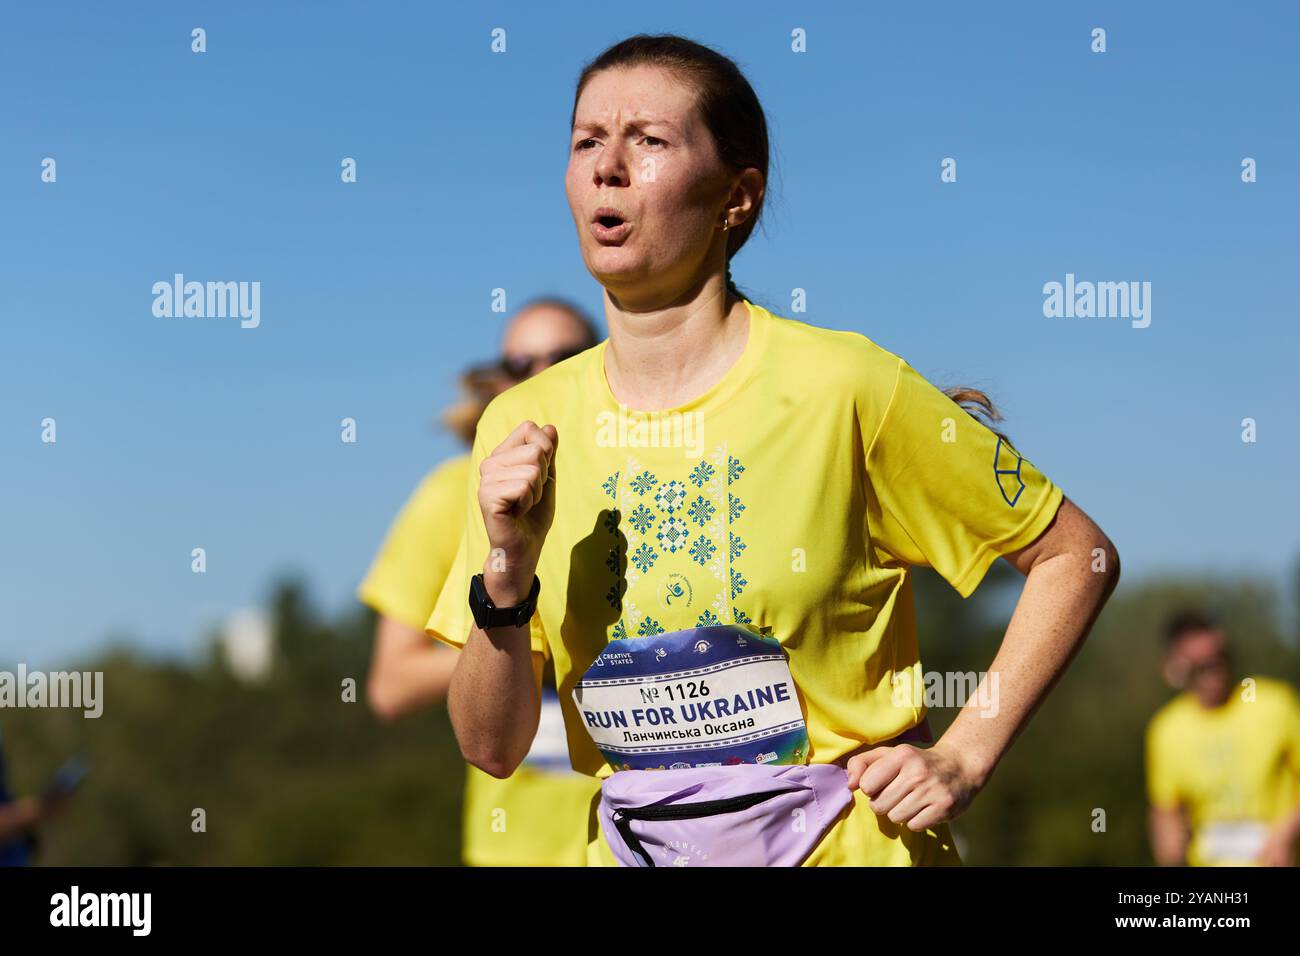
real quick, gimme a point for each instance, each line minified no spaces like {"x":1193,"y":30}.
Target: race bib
{"x":550,"y":750}
{"x":1238,"y":841}
{"x":703,"y":697}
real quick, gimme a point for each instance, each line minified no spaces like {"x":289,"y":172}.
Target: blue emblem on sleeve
{"x":1006,"y":471}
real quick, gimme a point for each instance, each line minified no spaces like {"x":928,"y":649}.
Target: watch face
{"x":485,"y":615}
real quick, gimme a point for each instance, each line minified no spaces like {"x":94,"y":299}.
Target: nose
{"x":611,"y":166}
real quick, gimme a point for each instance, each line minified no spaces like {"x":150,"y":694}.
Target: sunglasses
{"x":1217,"y":662}
{"x":520,"y":366}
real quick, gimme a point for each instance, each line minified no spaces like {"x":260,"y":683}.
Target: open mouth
{"x":609,"y":225}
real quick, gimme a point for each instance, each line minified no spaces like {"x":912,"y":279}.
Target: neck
{"x":1214,"y":703}
{"x":664,"y":354}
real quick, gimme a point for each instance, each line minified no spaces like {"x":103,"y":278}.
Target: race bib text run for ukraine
{"x":703,"y":697}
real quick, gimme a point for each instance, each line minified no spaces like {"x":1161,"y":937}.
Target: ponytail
{"x":978,"y":406}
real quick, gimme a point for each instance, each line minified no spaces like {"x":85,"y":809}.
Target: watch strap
{"x":488,"y":615}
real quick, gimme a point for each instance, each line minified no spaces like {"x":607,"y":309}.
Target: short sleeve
{"x":451,"y":621}
{"x":409,"y":571}
{"x":945,"y":490}
{"x":1162,"y":780}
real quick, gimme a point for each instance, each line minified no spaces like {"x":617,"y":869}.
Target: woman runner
{"x":712,"y":464}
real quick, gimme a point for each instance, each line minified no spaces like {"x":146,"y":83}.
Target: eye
{"x":582,"y":144}
{"x":654,"y":141}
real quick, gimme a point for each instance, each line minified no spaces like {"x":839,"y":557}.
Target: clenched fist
{"x":516,"y":494}
{"x":917,"y":787}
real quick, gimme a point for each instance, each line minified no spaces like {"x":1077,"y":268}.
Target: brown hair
{"x":726,"y":102}
{"x":978,"y":406}
{"x":479,"y":384}
{"x":1187,"y":621}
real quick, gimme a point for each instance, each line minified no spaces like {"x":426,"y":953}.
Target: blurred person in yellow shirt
{"x":537,"y":816}
{"x":1223,"y":758}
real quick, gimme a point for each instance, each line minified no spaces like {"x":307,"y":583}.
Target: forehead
{"x":639,"y":94}
{"x":542,"y":327}
{"x":1198,"y":644}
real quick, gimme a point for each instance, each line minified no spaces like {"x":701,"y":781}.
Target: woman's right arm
{"x":495,"y":695}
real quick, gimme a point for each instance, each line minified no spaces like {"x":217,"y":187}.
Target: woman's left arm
{"x":1070,"y":570}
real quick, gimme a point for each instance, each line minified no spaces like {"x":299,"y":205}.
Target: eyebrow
{"x":593,"y":126}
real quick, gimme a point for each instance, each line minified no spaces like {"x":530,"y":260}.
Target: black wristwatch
{"x":486,"y":614}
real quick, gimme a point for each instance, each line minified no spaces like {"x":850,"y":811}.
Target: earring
{"x":725,"y":225}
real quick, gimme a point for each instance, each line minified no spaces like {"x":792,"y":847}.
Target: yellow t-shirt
{"x":1234,"y":770}
{"x":537,"y":817}
{"x":418,"y":552}
{"x":794,"y":495}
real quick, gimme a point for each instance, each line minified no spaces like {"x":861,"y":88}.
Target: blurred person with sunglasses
{"x":1223,"y":758}
{"x":537,"y":816}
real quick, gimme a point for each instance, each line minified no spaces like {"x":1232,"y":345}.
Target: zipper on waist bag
{"x":623,"y":817}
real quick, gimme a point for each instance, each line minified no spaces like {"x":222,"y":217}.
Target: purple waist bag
{"x":748,"y":815}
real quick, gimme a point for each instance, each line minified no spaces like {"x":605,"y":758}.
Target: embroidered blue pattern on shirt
{"x":644,"y":482}
{"x":701,"y":550}
{"x":673,"y":535}
{"x":610,"y":484}
{"x":649,"y":626}
{"x":701,"y":510}
{"x":642,"y":518}
{"x":738,"y":583}
{"x":671,"y":496}
{"x":680,"y":520}
{"x":644,"y":557}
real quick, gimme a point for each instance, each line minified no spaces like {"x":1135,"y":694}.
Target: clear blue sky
{"x":183,"y":433}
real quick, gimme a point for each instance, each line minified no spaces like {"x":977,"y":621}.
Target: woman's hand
{"x":516,"y":494}
{"x":917,"y":787}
